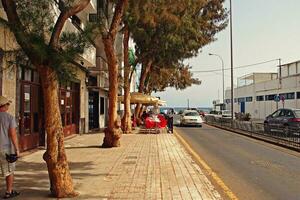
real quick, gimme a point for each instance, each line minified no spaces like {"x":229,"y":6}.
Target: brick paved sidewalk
{"x":146,"y":166}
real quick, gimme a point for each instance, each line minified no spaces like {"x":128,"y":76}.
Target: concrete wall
{"x":84,"y":114}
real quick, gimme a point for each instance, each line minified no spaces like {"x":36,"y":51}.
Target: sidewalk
{"x":146,"y":166}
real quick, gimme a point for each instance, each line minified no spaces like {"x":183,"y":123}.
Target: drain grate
{"x":129,"y":163}
{"x":131,"y":157}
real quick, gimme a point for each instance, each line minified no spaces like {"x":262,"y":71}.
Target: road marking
{"x":216,"y":178}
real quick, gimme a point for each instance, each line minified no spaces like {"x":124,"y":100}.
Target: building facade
{"x":260,"y":94}
{"x":22,"y":86}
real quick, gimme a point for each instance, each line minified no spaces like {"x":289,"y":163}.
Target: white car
{"x":191,"y":117}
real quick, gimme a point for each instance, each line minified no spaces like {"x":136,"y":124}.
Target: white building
{"x":256,"y":93}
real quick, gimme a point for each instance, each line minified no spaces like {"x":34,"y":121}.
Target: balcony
{"x":91,"y":8}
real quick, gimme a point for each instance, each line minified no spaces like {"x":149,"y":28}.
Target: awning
{"x":136,"y":97}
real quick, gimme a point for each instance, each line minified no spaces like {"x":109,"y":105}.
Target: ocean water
{"x":177,"y":109}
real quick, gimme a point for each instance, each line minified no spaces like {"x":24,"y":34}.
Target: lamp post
{"x":231,"y":63}
{"x":212,"y":54}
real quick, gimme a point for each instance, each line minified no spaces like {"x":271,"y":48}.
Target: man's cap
{"x":4,"y":100}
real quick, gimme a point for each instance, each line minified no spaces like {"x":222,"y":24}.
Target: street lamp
{"x":231,"y":63}
{"x":212,"y":54}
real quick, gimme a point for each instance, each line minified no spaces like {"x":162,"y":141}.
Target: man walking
{"x":8,"y":145}
{"x":170,"y":120}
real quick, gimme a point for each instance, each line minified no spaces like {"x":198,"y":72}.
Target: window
{"x":235,"y":100}
{"x":270,"y":97}
{"x":276,"y":113}
{"x":298,"y":95}
{"x":290,"y":95}
{"x":241,"y":99}
{"x":297,"y":113}
{"x":92,"y":81}
{"x":101,"y":105}
{"x":28,"y":75}
{"x":287,"y":96}
{"x":27,"y":108}
{"x":260,"y":98}
{"x":191,"y":114}
{"x":228,"y":101}
{"x":30,"y":97}
{"x":289,"y":113}
{"x":249,"y":99}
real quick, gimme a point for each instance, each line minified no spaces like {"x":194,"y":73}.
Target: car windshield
{"x":297,"y":113}
{"x":191,"y":114}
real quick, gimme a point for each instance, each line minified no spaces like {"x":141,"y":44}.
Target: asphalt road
{"x":252,"y":169}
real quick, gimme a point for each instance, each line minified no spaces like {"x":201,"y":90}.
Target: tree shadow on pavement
{"x":32,"y":180}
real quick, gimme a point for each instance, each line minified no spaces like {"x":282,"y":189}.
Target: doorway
{"x":93,"y":110}
{"x":242,"y":107}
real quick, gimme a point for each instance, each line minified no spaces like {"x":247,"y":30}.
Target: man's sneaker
{"x":11,"y":194}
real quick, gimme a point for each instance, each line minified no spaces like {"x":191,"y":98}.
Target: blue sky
{"x":262,"y":30}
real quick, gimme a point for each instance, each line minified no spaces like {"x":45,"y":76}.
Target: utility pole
{"x":188,"y":103}
{"x":280,"y":73}
{"x":231,"y":64}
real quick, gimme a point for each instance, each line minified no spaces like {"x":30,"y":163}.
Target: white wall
{"x":260,"y":109}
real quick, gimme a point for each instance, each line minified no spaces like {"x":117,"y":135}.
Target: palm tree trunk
{"x":61,"y":184}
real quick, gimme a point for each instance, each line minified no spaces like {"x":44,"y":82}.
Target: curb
{"x":205,"y":166}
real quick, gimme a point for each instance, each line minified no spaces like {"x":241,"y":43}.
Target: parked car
{"x":225,"y":113}
{"x":191,"y":117}
{"x":283,"y":120}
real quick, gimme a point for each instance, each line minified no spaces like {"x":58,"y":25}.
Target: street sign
{"x":277,"y":98}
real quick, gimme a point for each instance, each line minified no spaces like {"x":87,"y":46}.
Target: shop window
{"x":27,"y":108}
{"x":69,"y":107}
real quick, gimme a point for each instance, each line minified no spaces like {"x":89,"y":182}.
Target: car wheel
{"x":286,"y":131}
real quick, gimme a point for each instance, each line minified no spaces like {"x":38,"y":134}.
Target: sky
{"x":263,"y":30}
